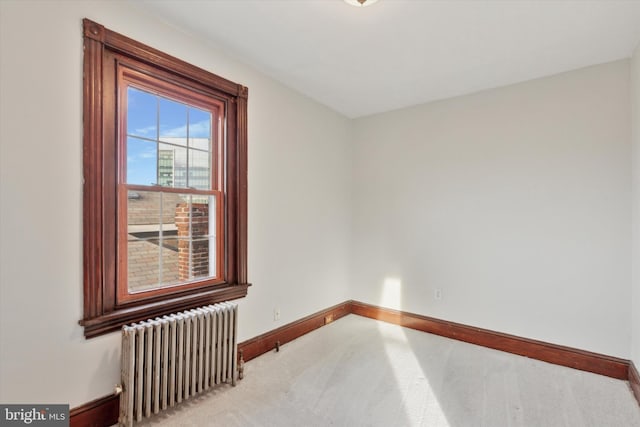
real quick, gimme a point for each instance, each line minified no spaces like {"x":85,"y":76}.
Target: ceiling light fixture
{"x":360,"y":3}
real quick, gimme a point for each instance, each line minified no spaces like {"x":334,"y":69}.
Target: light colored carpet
{"x":361,"y":372}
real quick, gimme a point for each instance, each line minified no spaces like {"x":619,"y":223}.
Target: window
{"x":169,"y":192}
{"x":165,"y":183}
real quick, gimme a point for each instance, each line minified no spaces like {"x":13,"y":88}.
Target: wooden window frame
{"x":103,"y":311}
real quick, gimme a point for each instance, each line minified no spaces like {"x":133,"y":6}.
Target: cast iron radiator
{"x":169,"y":359}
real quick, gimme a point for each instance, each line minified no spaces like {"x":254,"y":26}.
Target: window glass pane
{"x":142,"y":161}
{"x":200,"y":258}
{"x":143,"y":225}
{"x":200,"y":143}
{"x":142,"y":113}
{"x":143,"y":269}
{"x":169,"y":261}
{"x":173,"y":122}
{"x":196,"y":234}
{"x":183,"y":224}
{"x":172,"y":166}
{"x":199,"y":170}
{"x":175,"y":214}
{"x":170,"y":204}
{"x":143,"y":210}
{"x":199,"y":129}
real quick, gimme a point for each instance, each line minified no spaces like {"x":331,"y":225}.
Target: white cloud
{"x":145,"y":131}
{"x":195,"y":129}
{"x":147,"y":154}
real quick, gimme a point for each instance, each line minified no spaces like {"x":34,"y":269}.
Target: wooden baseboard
{"x":634,"y":380}
{"x":552,"y":353}
{"x":261,"y":344}
{"x":101,"y":412}
{"x":104,"y":412}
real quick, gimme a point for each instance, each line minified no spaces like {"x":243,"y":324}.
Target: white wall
{"x":299,"y":163}
{"x":514,"y":202}
{"x":635,"y":127}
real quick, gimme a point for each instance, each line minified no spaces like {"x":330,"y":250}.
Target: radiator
{"x":169,"y":359}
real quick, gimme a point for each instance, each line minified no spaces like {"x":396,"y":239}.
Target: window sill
{"x":113,"y":321}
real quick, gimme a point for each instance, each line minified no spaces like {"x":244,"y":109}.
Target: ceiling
{"x":397,"y":53}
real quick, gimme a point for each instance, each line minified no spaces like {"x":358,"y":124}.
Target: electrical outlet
{"x":276,"y":314}
{"x":437,"y":294}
